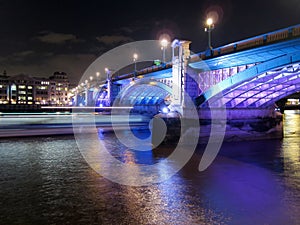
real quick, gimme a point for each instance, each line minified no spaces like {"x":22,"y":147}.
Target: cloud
{"x":56,"y":38}
{"x":114,"y":39}
{"x":23,"y":53}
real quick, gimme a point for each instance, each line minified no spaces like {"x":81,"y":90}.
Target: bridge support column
{"x":75,"y":99}
{"x":181,"y":119}
{"x":180,"y":56}
{"x":115,"y":90}
{"x":86,"y":94}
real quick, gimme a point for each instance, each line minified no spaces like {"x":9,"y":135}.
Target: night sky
{"x":41,"y":37}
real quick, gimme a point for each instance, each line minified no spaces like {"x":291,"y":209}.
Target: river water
{"x":45,"y":180}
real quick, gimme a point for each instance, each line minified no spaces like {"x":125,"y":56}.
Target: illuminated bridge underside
{"x":260,"y":86}
{"x":144,"y":92}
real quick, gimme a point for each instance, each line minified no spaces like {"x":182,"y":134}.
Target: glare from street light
{"x":97,"y":74}
{"x":209,"y":21}
{"x":164,"y":43}
{"x":91,"y":78}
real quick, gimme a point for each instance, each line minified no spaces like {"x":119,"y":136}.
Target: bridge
{"x":246,"y":77}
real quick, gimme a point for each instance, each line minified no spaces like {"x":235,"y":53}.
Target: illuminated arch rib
{"x":143,"y":92}
{"x":259,"y":86}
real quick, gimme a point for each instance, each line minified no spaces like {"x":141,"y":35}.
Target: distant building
{"x":59,"y":88}
{"x":21,"y":89}
{"x":4,"y":87}
{"x":24,"y":89}
{"x":42,"y":91}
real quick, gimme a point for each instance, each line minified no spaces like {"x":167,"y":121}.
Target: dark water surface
{"x":45,"y":180}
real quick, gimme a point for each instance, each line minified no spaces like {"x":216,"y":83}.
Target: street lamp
{"x":135,"y":57}
{"x":97,"y":75}
{"x":164,"y":44}
{"x":210,"y":26}
{"x":107,"y":72}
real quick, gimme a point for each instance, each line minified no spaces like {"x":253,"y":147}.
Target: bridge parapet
{"x":270,"y":38}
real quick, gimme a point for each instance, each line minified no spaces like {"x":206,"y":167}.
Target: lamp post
{"x":91,"y":81}
{"x":164,"y":44}
{"x":107,"y":72}
{"x":86,"y":92}
{"x":210,"y":26}
{"x":135,"y":57}
{"x":97,"y":78}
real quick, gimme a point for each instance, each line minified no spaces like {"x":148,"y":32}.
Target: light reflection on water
{"x":46,"y":181}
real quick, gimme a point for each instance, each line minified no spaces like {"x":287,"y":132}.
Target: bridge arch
{"x":142,"y":92}
{"x":259,"y":86}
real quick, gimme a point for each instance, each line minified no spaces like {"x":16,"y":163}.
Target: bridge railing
{"x":143,"y":71}
{"x":257,"y":41}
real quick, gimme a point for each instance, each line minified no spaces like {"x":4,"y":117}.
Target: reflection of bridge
{"x":248,"y":77}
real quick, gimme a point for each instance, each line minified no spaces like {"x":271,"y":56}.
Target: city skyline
{"x":40,"y":38}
